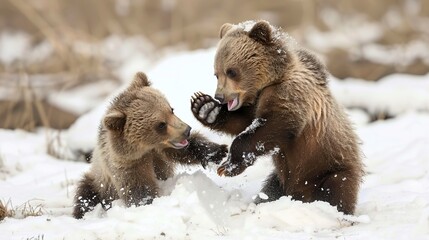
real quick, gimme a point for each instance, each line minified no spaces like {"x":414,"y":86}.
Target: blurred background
{"x":50,"y":50}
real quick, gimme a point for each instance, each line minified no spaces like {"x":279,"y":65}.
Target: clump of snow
{"x":309,"y":218}
{"x":246,"y":25}
{"x":260,"y":146}
{"x":262,"y":196}
{"x":277,"y":33}
{"x":256,"y":123}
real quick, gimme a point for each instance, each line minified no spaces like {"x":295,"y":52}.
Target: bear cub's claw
{"x":229,"y":169}
{"x":205,"y":108}
{"x":221,"y":170}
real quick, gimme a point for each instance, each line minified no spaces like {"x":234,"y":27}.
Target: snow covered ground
{"x":198,"y":204}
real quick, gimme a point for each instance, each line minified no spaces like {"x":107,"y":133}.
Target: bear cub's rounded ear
{"x":261,"y":32}
{"x":224,"y":29}
{"x":114,"y":121}
{"x":140,"y":80}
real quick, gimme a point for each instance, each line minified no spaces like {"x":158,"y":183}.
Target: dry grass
{"x":27,"y":209}
{"x":26,"y":109}
{"x":192,"y":22}
{"x":64,"y":69}
{"x":55,"y":144}
{"x":45,"y":21}
{"x":38,"y":237}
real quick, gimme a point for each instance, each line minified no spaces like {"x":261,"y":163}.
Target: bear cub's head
{"x":141,"y":119}
{"x":250,"y":56}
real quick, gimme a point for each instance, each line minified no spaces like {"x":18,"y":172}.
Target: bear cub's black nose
{"x":220,"y":97}
{"x":187,"y":132}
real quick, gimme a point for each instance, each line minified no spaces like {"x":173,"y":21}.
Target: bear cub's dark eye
{"x":231,"y":73}
{"x":162,"y":126}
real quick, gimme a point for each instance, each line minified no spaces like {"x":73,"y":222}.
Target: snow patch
{"x":394,"y":94}
{"x":13,"y":46}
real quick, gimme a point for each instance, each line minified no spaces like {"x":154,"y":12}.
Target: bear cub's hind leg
{"x":272,"y":188}
{"x":86,"y":198}
{"x":340,"y":189}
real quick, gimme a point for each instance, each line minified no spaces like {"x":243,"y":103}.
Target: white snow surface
{"x":197,"y":204}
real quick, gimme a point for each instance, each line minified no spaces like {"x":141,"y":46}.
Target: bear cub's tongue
{"x":181,"y":144}
{"x":232,"y":104}
{"x":184,"y":142}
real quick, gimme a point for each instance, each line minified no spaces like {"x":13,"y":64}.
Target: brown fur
{"x":140,"y":140}
{"x":284,"y":90}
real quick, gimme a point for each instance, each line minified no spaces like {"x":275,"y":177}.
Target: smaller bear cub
{"x":140,"y":139}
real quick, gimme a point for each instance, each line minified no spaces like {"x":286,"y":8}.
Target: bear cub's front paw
{"x":229,"y":169}
{"x":234,"y":165}
{"x":205,"y":108}
{"x":215,"y":154}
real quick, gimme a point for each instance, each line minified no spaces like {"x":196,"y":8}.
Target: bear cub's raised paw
{"x":205,"y":108}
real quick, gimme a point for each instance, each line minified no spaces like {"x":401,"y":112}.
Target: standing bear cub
{"x":273,"y":97}
{"x":139,"y":141}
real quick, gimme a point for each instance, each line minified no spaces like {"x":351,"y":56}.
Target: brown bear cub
{"x":273,"y":97}
{"x":140,"y":140}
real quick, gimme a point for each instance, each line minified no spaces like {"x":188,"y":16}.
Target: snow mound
{"x":196,"y":207}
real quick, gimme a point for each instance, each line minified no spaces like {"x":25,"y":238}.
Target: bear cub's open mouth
{"x":233,"y":104}
{"x":181,"y":144}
